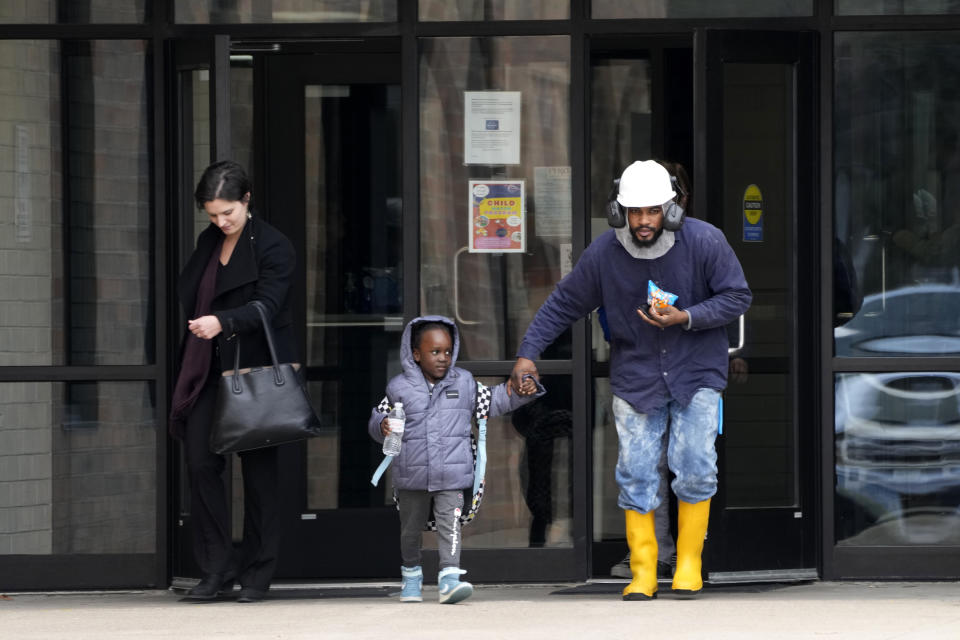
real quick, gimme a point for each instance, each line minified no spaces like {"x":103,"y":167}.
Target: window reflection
{"x":608,"y":521}
{"x":621,"y":131}
{"x":78,"y":262}
{"x":898,"y":458}
{"x":354,"y":279}
{"x":493,"y":296}
{"x":237,"y":11}
{"x":72,"y":12}
{"x":902,"y":7}
{"x":450,"y":10}
{"x":78,"y":464}
{"x":897,"y":217}
{"x":700,"y":9}
{"x":621,"y":126}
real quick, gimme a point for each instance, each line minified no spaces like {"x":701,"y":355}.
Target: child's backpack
{"x":478,"y":444}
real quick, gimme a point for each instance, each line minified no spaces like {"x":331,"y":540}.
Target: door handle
{"x":732,"y":351}
{"x":456,"y":288}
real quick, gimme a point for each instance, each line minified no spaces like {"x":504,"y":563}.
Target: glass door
{"x":641,"y":106}
{"x":757,"y":170}
{"x":331,"y":148}
{"x":749,"y":97}
{"x":498,"y":218}
{"x":201,"y":71}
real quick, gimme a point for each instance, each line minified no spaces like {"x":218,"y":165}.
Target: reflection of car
{"x":898,"y":441}
{"x":917,"y":320}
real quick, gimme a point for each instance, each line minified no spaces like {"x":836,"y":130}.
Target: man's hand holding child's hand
{"x":523,"y":378}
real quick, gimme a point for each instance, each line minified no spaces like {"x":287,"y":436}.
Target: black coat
{"x":261,"y":268}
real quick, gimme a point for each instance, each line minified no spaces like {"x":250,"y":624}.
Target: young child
{"x":436,"y":461}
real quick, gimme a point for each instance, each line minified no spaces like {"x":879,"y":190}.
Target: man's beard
{"x":644,"y":244}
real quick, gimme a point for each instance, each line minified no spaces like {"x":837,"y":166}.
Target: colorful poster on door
{"x":497,"y":216}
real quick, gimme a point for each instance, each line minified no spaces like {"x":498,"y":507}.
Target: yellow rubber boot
{"x":642,"y":541}
{"x":691,"y":532}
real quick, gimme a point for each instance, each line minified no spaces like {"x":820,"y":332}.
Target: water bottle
{"x":395,"y":420}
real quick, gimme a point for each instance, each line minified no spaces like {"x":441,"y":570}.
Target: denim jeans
{"x":691,"y":454}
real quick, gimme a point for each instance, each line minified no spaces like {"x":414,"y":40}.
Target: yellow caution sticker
{"x":752,"y":214}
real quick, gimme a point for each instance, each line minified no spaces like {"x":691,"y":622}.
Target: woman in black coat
{"x":238,"y":258}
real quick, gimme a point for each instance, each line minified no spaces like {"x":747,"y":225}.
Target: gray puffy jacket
{"x":436,"y":453}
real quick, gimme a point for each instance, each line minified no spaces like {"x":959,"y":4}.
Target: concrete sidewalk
{"x":875,"y":610}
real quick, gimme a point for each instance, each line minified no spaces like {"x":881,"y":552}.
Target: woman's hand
{"x":205,"y":327}
{"x":385,"y":427}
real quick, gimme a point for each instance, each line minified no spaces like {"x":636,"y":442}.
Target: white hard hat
{"x":645,"y":184}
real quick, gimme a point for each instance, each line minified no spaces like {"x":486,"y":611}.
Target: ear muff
{"x":616,"y":214}
{"x":673,"y":213}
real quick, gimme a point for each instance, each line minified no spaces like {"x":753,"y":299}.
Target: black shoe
{"x":622,"y":569}
{"x":210,"y":586}
{"x":249,"y":594}
{"x":664,"y":571}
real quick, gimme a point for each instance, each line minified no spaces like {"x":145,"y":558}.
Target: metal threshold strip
{"x":770,"y":575}
{"x":715,"y":578}
{"x":187,"y":583}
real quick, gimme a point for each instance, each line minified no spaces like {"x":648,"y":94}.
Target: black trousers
{"x":256,"y":560}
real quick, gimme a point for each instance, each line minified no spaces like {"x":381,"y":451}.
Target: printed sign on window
{"x":491,"y":127}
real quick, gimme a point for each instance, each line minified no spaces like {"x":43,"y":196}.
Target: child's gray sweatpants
{"x":414,"y":513}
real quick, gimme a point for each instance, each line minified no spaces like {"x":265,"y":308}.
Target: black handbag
{"x":261,"y":406}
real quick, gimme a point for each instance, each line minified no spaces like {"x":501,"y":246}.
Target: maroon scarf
{"x":197,"y":352}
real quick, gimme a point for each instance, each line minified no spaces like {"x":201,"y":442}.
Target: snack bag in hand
{"x":657,"y":297}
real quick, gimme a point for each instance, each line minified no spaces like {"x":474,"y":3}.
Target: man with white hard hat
{"x":669,"y":286}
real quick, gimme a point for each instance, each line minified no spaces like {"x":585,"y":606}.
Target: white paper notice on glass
{"x":491,"y":127}
{"x":553,"y":201}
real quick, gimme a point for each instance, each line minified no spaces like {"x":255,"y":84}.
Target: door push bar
{"x":732,"y":351}
{"x":456,"y":288}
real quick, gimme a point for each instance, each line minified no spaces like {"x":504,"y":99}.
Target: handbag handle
{"x":268,"y":332}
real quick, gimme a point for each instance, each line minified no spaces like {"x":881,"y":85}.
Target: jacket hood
{"x":410,"y":366}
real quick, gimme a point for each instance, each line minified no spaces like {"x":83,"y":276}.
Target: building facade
{"x":820,"y":135}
